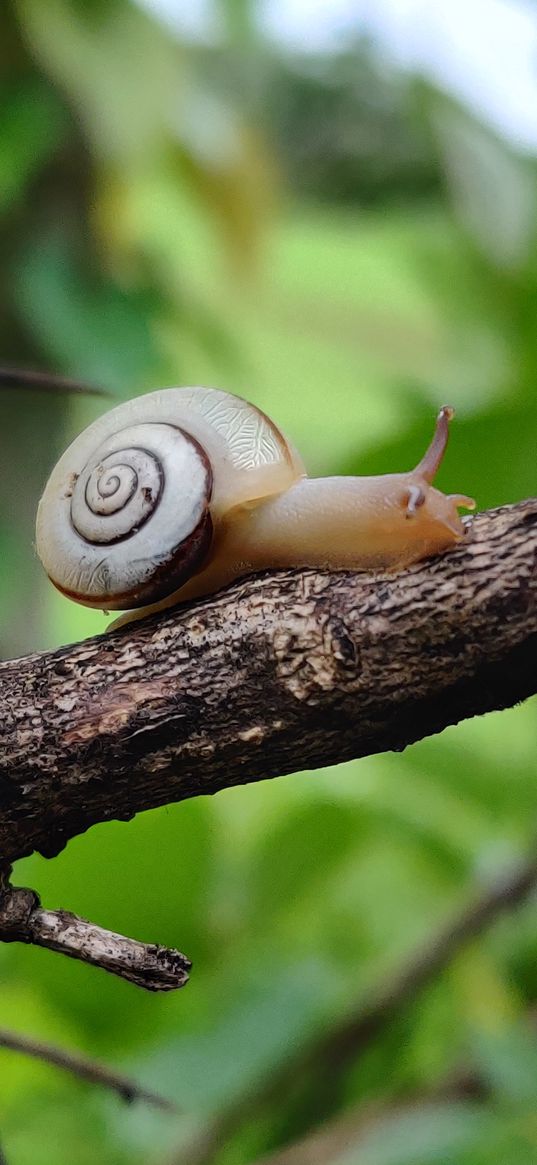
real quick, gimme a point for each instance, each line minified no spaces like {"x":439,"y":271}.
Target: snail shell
{"x":129,"y":512}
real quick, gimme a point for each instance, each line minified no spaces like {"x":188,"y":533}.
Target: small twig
{"x":22,"y":919}
{"x":358,"y":1030}
{"x":84,"y":1068}
{"x":45,"y":381}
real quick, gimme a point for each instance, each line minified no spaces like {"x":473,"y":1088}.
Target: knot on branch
{"x":17,"y":905}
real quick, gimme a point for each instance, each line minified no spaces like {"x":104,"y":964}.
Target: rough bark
{"x":278,"y":673}
{"x":148,"y":965}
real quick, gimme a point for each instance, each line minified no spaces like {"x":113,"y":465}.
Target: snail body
{"x":176,"y":493}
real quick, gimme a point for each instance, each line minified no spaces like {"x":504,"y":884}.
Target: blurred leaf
{"x":507,"y":1059}
{"x":428,"y":1135}
{"x":213,"y":1067}
{"x":101,"y":57}
{"x":494,"y":189}
{"x":32,"y":127}
{"x":301,"y":854}
{"x":95,"y":327}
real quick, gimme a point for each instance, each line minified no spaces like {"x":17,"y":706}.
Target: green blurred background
{"x":334,"y":213}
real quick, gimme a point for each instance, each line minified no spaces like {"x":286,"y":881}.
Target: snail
{"x":174,"y":494}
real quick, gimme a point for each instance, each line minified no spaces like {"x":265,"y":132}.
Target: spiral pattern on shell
{"x":147,"y":486}
{"x":124,"y":488}
{"x":124,"y":520}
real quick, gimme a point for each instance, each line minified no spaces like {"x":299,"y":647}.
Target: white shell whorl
{"x":124,"y":519}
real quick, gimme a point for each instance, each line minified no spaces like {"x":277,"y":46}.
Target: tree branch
{"x":84,"y":1068}
{"x":277,"y":673}
{"x":149,"y":965}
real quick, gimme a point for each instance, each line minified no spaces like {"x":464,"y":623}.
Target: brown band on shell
{"x":171,"y":563}
{"x":184,"y":561}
